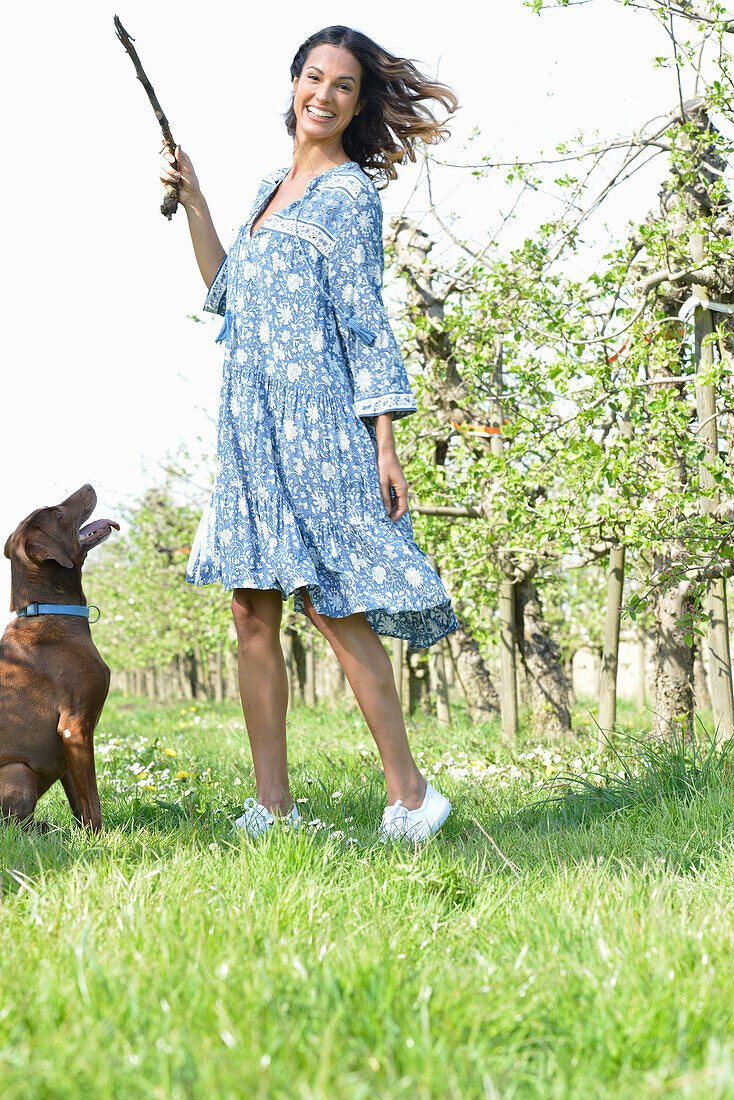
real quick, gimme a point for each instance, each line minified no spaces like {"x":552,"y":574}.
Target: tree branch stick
{"x":170,"y":200}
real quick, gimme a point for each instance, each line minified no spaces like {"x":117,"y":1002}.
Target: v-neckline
{"x":295,"y":202}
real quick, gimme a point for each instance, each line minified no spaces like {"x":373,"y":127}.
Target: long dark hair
{"x":393,"y":117}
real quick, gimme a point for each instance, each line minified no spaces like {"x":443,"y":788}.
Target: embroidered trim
{"x":216,"y":298}
{"x":400,"y":404}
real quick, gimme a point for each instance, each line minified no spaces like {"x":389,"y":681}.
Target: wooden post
{"x":219,"y":674}
{"x":641,"y":673}
{"x":398,"y":663}
{"x":437,"y":671}
{"x":716,"y":610}
{"x":615,"y":591}
{"x":508,"y":670}
{"x":610,"y":656}
{"x":310,"y":670}
{"x":287,"y":643}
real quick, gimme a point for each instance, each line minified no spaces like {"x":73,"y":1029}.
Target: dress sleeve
{"x":216,"y":298}
{"x":355,"y":271}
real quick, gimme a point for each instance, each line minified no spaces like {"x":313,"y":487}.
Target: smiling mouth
{"x":323,"y":118}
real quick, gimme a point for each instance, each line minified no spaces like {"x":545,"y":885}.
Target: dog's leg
{"x":76,"y":736}
{"x":18,"y":793}
{"x":76,"y":807}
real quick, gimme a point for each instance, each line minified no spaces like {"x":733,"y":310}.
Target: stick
{"x":170,"y":201}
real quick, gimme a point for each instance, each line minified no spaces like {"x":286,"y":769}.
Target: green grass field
{"x":579,"y":947}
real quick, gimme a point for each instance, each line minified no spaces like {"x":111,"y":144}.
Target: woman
{"x":309,"y":496}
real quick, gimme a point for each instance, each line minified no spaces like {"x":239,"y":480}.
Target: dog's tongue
{"x":97,"y":530}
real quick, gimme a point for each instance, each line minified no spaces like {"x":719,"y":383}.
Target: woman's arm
{"x":389,"y":469}
{"x":207,"y":246}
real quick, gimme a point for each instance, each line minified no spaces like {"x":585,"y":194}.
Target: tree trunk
{"x":198,"y":671}
{"x":610,"y":655}
{"x":672,"y":700}
{"x":541,"y":658}
{"x":184,"y":683}
{"x":419,"y":688}
{"x":231,"y":671}
{"x":471,"y":671}
{"x":299,"y":663}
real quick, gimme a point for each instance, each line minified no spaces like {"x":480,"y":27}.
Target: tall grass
{"x":562,"y":940}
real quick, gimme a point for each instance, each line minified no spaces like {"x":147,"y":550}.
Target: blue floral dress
{"x":310,"y":360}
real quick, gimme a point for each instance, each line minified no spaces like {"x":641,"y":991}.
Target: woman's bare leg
{"x":369,"y":671}
{"x":264,"y":691}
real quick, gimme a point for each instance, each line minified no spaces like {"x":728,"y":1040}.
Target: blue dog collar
{"x":34,"y":609}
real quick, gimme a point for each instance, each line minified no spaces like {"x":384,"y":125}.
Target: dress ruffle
{"x":312,"y":516}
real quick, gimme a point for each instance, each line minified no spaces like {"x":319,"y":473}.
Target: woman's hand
{"x":185,"y":177}
{"x":391,"y":475}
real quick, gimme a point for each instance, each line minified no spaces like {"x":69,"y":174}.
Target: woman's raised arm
{"x":207,"y":246}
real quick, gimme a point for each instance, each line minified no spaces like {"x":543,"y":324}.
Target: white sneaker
{"x":257,"y":819}
{"x":418,"y":824}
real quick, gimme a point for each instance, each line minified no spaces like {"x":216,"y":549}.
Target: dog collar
{"x":33,"y":609}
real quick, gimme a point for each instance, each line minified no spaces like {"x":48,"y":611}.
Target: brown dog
{"x":53,"y":682}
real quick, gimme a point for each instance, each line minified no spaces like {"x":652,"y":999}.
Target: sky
{"x":104,"y":372}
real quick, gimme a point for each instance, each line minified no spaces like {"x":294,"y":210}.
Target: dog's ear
{"x":40,"y":546}
{"x":7,"y":545}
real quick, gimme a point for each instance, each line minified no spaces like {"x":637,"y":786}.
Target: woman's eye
{"x":59,"y":513}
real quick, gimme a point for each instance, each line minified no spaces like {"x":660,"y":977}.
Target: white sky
{"x":102,"y":372}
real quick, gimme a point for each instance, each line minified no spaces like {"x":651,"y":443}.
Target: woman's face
{"x":325,"y":95}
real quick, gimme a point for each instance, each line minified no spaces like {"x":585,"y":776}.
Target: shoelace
{"x":396,"y":814}
{"x":263,"y":813}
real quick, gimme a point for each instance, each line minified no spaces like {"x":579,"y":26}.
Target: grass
{"x":568,"y":934}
